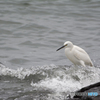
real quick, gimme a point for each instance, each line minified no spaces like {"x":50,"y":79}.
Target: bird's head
{"x":67,"y":44}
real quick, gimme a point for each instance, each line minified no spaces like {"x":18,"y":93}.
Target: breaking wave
{"x":55,"y":78}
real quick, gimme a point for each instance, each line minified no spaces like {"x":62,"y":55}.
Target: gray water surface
{"x":30,"y":33}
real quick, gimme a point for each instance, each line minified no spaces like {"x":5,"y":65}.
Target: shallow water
{"x":30,"y":33}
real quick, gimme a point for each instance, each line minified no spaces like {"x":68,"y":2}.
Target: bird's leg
{"x":82,"y":63}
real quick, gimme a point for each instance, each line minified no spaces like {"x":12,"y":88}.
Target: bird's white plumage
{"x":76,"y":55}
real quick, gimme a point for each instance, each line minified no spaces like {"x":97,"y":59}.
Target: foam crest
{"x":19,"y":73}
{"x":22,"y":73}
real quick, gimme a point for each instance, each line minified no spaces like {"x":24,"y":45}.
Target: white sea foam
{"x":58,"y":85}
{"x":21,"y":73}
{"x":71,"y":80}
{"x":55,"y":78}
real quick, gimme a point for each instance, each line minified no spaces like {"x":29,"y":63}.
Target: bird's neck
{"x":68,"y":48}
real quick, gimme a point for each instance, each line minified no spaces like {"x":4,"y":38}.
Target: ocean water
{"x":30,"y":33}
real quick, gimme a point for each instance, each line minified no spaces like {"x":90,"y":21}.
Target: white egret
{"x":76,"y":55}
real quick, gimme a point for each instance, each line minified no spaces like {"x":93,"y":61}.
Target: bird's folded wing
{"x":79,"y":53}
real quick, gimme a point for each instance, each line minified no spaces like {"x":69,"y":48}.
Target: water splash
{"x":55,"y":78}
{"x":70,"y":79}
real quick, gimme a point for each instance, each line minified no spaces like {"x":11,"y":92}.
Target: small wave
{"x":25,"y":73}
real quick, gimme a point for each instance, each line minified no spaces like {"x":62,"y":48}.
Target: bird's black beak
{"x":60,"y":48}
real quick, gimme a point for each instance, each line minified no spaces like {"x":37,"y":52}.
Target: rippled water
{"x":30,"y":33}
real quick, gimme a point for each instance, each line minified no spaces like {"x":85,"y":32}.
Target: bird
{"x":76,"y":55}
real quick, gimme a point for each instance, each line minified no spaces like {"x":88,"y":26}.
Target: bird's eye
{"x":66,"y":44}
